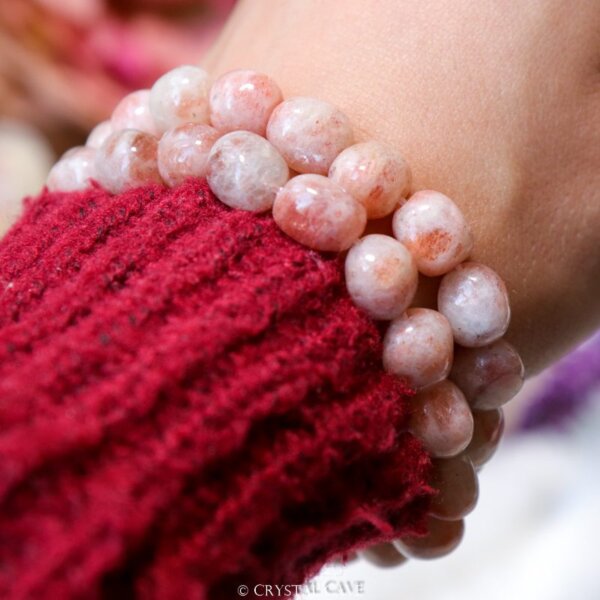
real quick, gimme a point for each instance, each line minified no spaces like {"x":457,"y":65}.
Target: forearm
{"x":487,"y":105}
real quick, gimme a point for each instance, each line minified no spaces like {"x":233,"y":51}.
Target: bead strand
{"x":298,"y":158}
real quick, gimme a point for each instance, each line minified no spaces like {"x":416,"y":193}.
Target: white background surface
{"x":535,"y":534}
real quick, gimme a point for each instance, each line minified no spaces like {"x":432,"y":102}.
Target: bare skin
{"x":496,"y":104}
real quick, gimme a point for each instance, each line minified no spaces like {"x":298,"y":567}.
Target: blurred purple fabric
{"x":566,"y":388}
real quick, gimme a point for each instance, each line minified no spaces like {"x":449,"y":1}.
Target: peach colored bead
{"x":318,"y":213}
{"x":374,"y":174}
{"x":245,"y":171}
{"x":309,"y":133}
{"x":381,"y":276}
{"x":243,"y":99}
{"x":180,"y":96}
{"x":99,"y":135}
{"x":383,"y":555}
{"x":442,"y":538}
{"x":457,"y":485}
{"x":419,"y":347}
{"x":490,"y":376}
{"x":127,"y":159}
{"x":133,"y":112}
{"x":73,"y":171}
{"x":183,"y":152}
{"x":433,"y":228}
{"x":442,"y":420}
{"x":487,"y":433}
{"x":475,"y":301}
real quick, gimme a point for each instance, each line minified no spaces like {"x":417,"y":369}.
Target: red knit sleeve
{"x":188,"y":401}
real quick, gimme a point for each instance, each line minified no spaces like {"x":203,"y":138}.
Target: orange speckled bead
{"x":309,"y":133}
{"x":318,"y":213}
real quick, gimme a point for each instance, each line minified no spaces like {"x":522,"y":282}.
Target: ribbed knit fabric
{"x":189,"y":401}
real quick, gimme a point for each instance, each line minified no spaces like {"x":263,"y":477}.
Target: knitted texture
{"x":189,"y":401}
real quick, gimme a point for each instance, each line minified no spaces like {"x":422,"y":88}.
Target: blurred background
{"x":64,"y":64}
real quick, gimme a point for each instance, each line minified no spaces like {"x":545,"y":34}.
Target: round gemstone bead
{"x":475,"y":301}
{"x":441,"y":539}
{"x":442,"y":420}
{"x":487,"y":433}
{"x":374,"y":175}
{"x":490,"y":376}
{"x":180,"y":96}
{"x":383,"y":555}
{"x":127,"y":159}
{"x":419,"y":347}
{"x":183,"y":152}
{"x":73,"y":171}
{"x":243,"y":100}
{"x":309,"y":133}
{"x":457,"y":485}
{"x":133,"y":112}
{"x":99,"y":135}
{"x":381,"y":276}
{"x":318,"y":213}
{"x":245,"y":171}
{"x":433,"y":228}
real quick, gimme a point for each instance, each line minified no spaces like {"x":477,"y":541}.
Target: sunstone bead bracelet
{"x":297,"y":157}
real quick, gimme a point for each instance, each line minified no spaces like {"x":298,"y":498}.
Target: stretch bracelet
{"x":297,"y":157}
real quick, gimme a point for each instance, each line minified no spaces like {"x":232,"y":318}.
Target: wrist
{"x":457,"y":104}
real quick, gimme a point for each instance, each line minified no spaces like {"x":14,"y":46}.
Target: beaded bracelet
{"x":247,"y":141}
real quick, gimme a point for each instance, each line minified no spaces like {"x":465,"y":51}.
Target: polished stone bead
{"x":442,"y":420}
{"x":318,"y":213}
{"x":245,"y":171}
{"x":309,"y":133}
{"x":133,"y":112}
{"x":180,"y":96}
{"x":127,"y":159}
{"x":73,"y":171}
{"x":243,"y":100}
{"x":487,"y":433}
{"x":374,"y":174}
{"x":384,"y":555}
{"x":457,"y":485}
{"x":99,"y":135}
{"x":489,"y":376}
{"x":381,"y":276}
{"x":183,"y":152}
{"x":442,"y":538}
{"x":419,"y":346}
{"x":434,"y":229}
{"x":475,"y":301}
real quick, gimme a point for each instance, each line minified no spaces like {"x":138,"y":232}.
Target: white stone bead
{"x":441,"y":418}
{"x":126,"y":160}
{"x":309,"y":133}
{"x":133,"y":112}
{"x":475,"y":301}
{"x":318,"y":213}
{"x":487,"y":433}
{"x":442,"y":538}
{"x":489,"y":376}
{"x":73,"y":171}
{"x":180,"y":96}
{"x":374,"y":174}
{"x":434,"y":229}
{"x":99,"y":135}
{"x":458,"y":488}
{"x":383,"y":555}
{"x":381,"y":276}
{"x":243,"y":100}
{"x":183,"y":152}
{"x":419,"y":347}
{"x":246,"y":171}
